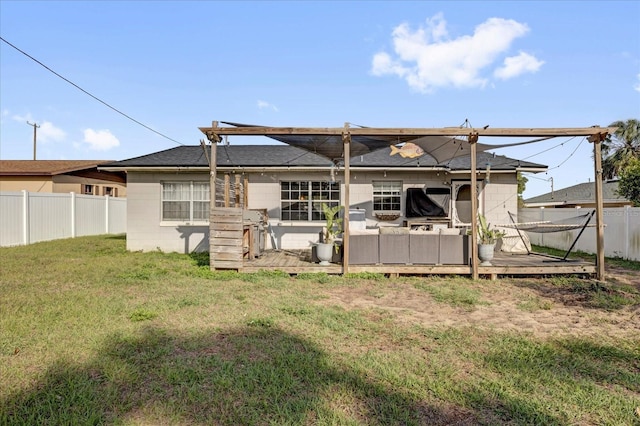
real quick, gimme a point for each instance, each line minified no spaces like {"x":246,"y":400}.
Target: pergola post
{"x":473,"y":139}
{"x":214,"y":139}
{"x":597,"y":162}
{"x":346,"y":141}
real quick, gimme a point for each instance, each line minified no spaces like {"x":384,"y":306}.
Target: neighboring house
{"x":79,"y":176}
{"x":168,"y":192}
{"x":581,"y":195}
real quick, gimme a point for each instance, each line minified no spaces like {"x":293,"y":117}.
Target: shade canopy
{"x":331,"y":146}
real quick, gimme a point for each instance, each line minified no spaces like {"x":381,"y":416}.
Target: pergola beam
{"x":417,"y":132}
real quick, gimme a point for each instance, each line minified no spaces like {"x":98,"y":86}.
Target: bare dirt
{"x":535,"y":306}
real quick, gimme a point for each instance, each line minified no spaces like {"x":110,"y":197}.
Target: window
{"x":387,"y":196}
{"x":302,"y":200}
{"x":87,"y":189}
{"x":110,"y":191}
{"x":185,"y":201}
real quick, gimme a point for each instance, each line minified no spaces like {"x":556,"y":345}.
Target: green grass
{"x":452,"y":291}
{"x":612,"y":261}
{"x":92,"y":334}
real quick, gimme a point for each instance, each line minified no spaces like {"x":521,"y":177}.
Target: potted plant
{"x":487,"y":239}
{"x":332,"y":229}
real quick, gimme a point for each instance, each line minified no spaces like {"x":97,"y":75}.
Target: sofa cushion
{"x":394,"y":230}
{"x":421,"y":232}
{"x":363,"y":231}
{"x":449,"y":231}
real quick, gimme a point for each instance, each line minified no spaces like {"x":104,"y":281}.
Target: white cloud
{"x":100,"y":140}
{"x":516,"y":65}
{"x":267,"y":105}
{"x":27,"y":117}
{"x":48,"y":132}
{"x":636,"y":86}
{"x":428,"y":58}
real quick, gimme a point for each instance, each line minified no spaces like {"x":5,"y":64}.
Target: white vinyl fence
{"x":621,"y":232}
{"x":30,"y":217}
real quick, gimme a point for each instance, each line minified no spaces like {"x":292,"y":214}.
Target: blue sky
{"x":176,"y":66}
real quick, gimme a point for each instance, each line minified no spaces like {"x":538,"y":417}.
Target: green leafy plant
{"x":333,"y":226}
{"x":486,"y":235}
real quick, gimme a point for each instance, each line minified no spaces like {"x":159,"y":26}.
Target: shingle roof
{"x":46,"y":167}
{"x":284,"y":155}
{"x":578,"y":193}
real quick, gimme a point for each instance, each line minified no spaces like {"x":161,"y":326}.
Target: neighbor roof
{"x":282,"y":156}
{"x":46,"y":167}
{"x":577,"y":194}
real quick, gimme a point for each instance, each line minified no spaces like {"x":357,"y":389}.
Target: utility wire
{"x":94,"y":97}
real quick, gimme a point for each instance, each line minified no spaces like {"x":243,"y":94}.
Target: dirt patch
{"x":503,"y":305}
{"x":623,"y":276}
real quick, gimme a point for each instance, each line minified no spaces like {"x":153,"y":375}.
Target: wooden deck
{"x":504,"y":264}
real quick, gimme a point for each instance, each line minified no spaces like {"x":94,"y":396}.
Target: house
{"x":581,"y":195}
{"x":61,"y":176}
{"x":169,"y":193}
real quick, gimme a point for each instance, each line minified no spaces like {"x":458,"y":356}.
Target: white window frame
{"x":301,"y":200}
{"x":197,"y":196}
{"x":387,"y":189}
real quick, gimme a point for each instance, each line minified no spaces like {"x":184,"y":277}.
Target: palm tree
{"x":620,"y":147}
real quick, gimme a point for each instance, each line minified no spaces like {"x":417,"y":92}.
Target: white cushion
{"x":363,"y":231}
{"x":449,"y":231}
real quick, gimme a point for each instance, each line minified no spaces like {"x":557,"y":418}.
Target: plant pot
{"x":485,"y":253}
{"x":324,"y":252}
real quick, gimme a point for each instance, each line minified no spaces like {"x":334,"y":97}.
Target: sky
{"x":116,"y":80}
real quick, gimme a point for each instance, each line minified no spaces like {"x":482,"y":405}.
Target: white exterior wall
{"x":147,"y":232}
{"x":499,"y":197}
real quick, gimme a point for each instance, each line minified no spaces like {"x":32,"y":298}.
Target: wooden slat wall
{"x":225,"y":242}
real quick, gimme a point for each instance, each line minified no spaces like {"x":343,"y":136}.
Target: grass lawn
{"x":93,"y":334}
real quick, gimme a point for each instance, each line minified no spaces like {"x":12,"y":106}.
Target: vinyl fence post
{"x":106,"y":214}
{"x":541,"y":220}
{"x":25,"y":217}
{"x":627,"y":235}
{"x":73,"y":214}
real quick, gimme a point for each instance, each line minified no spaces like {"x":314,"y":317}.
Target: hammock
{"x":578,"y":222}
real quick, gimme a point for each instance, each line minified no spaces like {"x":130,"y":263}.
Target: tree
{"x":629,"y":184}
{"x":522,"y":185}
{"x":620,"y":148}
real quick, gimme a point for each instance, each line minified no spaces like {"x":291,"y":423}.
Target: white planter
{"x":324,"y":252}
{"x":485,"y":253}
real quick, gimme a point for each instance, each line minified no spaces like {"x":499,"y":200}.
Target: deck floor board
{"x":299,"y":261}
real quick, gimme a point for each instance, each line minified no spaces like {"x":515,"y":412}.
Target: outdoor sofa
{"x":400,"y":245}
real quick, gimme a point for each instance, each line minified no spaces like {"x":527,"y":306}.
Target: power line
{"x":93,"y":96}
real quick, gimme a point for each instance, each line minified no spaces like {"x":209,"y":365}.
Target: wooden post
{"x":346,"y":141}
{"x":245,"y":193}
{"x":236,"y":186}
{"x":597,"y":162}
{"x":473,"y":139}
{"x":227,"y":189}
{"x":213,"y":138}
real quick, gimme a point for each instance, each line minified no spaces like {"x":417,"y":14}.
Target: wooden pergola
{"x":595,"y":135}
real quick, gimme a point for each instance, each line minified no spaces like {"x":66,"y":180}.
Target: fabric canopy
{"x":441,"y":148}
{"x":332,"y":147}
{"x":445,"y":148}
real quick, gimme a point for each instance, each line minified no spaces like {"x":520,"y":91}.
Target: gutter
{"x":254,"y":169}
